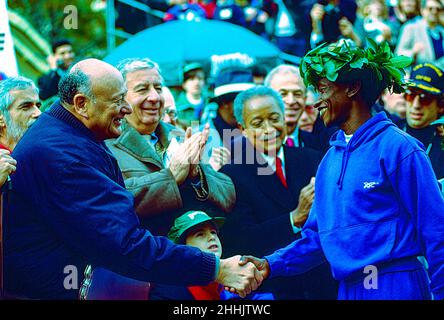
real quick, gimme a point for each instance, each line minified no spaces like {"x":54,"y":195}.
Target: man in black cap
{"x":425,"y":104}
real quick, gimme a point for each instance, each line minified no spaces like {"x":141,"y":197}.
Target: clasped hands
{"x":187,"y":157}
{"x":242,"y":274}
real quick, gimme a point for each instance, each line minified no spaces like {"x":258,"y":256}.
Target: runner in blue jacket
{"x":377,"y":204}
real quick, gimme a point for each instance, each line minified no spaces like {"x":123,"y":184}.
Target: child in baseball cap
{"x":198,"y":229}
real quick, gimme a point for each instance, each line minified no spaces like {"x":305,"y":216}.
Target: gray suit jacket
{"x":416,"y":32}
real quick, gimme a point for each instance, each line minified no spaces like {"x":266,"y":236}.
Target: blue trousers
{"x":404,"y":279}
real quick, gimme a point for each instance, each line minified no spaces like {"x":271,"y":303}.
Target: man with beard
{"x":378,"y":206}
{"x":19,"y":108}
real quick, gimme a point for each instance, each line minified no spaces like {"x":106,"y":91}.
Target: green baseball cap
{"x":189,"y":220}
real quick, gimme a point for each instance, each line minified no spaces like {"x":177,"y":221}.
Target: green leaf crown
{"x":342,"y":62}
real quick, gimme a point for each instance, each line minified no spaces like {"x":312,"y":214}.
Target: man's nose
{"x":126,"y":108}
{"x":36,"y":112}
{"x":153,"y":95}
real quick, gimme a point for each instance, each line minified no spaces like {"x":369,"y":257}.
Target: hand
{"x":52,"y":61}
{"x":317,"y":12}
{"x":346,"y":28}
{"x":7,"y":165}
{"x":196,"y":156}
{"x":306,"y":197}
{"x":219,"y":157}
{"x":240,"y":278}
{"x":417,"y":48}
{"x":180,"y":162}
{"x":261,"y":264}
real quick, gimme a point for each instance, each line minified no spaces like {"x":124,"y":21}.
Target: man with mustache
{"x":378,"y":206}
{"x":19,"y":107}
{"x":274,"y":191}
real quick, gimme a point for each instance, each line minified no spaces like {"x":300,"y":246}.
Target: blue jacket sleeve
{"x":419,"y":193}
{"x":95,"y":216}
{"x":301,"y":255}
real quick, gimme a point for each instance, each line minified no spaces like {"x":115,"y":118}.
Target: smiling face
{"x":205,"y":237}
{"x":108,"y":108}
{"x":422,"y":108}
{"x":292,"y":90}
{"x":23,"y":112}
{"x":264,"y":124}
{"x":146,"y":98}
{"x":334,"y":105}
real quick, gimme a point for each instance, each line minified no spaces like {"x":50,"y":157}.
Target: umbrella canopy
{"x":174,"y":44}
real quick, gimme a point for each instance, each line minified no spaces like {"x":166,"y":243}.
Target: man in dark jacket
{"x":60,"y":61}
{"x":69,"y":207}
{"x":274,"y":190}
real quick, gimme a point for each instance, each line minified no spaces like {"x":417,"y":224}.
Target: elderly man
{"x":274,"y":190}
{"x":286,"y":80}
{"x":19,"y":109}
{"x":153,"y":161}
{"x":68,"y":205}
{"x":425,"y":104}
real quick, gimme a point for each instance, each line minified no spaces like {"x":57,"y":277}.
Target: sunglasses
{"x":424,"y":98}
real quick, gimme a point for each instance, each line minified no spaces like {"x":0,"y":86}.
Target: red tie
{"x":290,"y":142}
{"x":280,"y":172}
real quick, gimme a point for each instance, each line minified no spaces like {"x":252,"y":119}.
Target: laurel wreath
{"x":341,"y":61}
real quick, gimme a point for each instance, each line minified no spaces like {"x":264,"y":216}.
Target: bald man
{"x":69,"y":207}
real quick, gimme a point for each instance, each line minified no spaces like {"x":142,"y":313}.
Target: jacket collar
{"x":58,"y":111}
{"x":138,"y":146}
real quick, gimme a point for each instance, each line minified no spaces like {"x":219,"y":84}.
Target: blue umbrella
{"x":176,"y":43}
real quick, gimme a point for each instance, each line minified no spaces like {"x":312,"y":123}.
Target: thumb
{"x":188,"y":133}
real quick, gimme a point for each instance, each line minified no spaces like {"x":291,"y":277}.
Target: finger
{"x":4,"y":152}
{"x":8,"y":159}
{"x":188,"y":133}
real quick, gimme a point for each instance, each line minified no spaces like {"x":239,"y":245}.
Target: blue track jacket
{"x":377,"y":199}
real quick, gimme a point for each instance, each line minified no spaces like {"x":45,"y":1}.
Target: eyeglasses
{"x":424,"y":98}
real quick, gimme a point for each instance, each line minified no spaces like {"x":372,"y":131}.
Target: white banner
{"x":8,"y":61}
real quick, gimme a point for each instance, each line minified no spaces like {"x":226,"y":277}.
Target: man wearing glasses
{"x":425,"y":104}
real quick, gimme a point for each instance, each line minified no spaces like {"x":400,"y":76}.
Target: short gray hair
{"x":134,"y":64}
{"x":256,"y":91}
{"x":283,"y":68}
{"x":72,"y":83}
{"x":11,"y":84}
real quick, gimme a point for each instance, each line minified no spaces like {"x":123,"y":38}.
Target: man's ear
{"x":354,"y":88}
{"x":80,"y":102}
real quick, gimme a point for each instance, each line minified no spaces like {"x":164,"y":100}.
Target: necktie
{"x":290,"y":142}
{"x":280,"y":172}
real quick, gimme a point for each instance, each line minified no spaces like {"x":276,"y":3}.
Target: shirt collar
{"x":271,"y":161}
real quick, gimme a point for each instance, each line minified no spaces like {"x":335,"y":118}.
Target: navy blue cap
{"x":427,"y":77}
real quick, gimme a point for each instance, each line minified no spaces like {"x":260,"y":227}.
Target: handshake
{"x":242,"y":274}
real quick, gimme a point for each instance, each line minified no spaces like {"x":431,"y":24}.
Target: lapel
{"x":134,"y":143}
{"x":271,"y":186}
